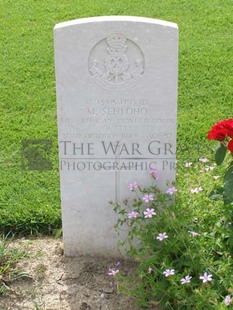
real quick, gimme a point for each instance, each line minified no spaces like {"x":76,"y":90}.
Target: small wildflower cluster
{"x":202,"y":160}
{"x":148,"y":198}
{"x":187,"y":279}
{"x":172,"y":250}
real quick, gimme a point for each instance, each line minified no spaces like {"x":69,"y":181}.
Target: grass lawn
{"x":30,"y":200}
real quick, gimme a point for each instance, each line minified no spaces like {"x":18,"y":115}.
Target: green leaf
{"x":220,"y":154}
{"x":228,"y":186}
{"x":216,"y":194}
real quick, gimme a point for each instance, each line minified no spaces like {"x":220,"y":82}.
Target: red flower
{"x":221,"y":130}
{"x":228,"y":124}
{"x":218,"y":135}
{"x":230,"y":146}
{"x":217,"y":132}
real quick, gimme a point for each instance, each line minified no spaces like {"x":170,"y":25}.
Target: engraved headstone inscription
{"x":116,"y":84}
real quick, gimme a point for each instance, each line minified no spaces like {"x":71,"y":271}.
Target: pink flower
{"x":227,"y":300}
{"x":204,"y":160}
{"x":149,"y":270}
{"x":171,"y":190}
{"x":149,"y":213}
{"x":206,"y":277}
{"x":188,"y":165}
{"x":169,"y":272}
{"x":132,"y":186}
{"x":133,"y":215}
{"x":148,"y":197}
{"x":196,"y":190}
{"x":186,"y":279}
{"x":162,"y":236}
{"x":155,"y":174}
{"x":112,"y":272}
{"x":194,"y":233}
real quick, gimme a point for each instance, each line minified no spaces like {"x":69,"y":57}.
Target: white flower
{"x":206,"y":277}
{"x":112,"y":272}
{"x":162,"y":236}
{"x":133,"y":215}
{"x":132,"y":186}
{"x":194,"y":233}
{"x":227,"y":300}
{"x":171,"y":190}
{"x":196,"y":190}
{"x":209,"y":168}
{"x":169,"y":272}
{"x":186,"y":279}
{"x":149,"y":270}
{"x":204,"y":160}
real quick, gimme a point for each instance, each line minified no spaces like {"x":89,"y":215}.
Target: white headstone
{"x":116,"y":81}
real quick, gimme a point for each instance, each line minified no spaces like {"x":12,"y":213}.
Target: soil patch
{"x":62,"y":283}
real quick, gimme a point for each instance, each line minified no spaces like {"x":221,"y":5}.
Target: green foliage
{"x":224,"y":128}
{"x":228,"y":185}
{"x":199,"y":240}
{"x":57,"y":233}
{"x":8,"y":270}
{"x":220,"y":154}
{"x":217,"y":194}
{"x":30,"y":220}
{"x":28,"y":107}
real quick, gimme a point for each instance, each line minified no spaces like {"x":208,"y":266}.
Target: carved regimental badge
{"x":116,"y":63}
